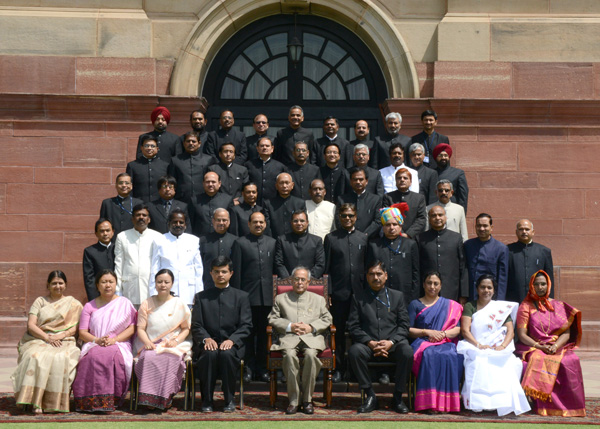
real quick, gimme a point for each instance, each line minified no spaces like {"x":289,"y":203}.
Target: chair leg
{"x":133,"y":390}
{"x":242,"y":384}
{"x":273,"y":393}
{"x":328,"y":387}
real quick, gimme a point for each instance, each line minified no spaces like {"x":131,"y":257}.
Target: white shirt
{"x":455,"y":218}
{"x":133,"y":258}
{"x":182,"y":256}
{"x":321,"y":218}
{"x":388,"y":174}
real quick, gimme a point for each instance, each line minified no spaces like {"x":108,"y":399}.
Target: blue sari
{"x":437,"y":366}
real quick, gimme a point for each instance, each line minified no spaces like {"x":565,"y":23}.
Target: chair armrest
{"x":332,"y":329}
{"x":269,"y":337}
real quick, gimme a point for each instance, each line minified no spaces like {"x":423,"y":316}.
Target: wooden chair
{"x":411,"y":381}
{"x":188,"y":387}
{"x":327,"y":356}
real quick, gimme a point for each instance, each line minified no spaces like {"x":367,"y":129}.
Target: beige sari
{"x":45,"y":373}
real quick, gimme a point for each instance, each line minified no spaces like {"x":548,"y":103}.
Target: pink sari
{"x":103,"y":373}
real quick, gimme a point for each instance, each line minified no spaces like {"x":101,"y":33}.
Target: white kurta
{"x":321,"y":218}
{"x":133,"y":259}
{"x":388,"y":175}
{"x":182,"y":256}
{"x":455,"y":218}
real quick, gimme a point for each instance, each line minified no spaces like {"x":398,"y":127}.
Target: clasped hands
{"x":549,"y":349}
{"x":54,"y":340}
{"x":301,"y":328}
{"x":210,"y":344}
{"x":380,"y":348}
{"x":106,"y":341}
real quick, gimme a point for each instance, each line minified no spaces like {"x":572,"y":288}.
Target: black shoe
{"x":207,"y":407}
{"x":400,"y":406}
{"x":370,"y":404}
{"x":308,"y":408}
{"x":247,"y":377}
{"x":291,"y":409}
{"x":265,"y":377}
{"x":229,"y":408}
{"x":337,"y":377}
{"x":384,"y":379}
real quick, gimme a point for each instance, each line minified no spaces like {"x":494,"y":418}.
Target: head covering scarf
{"x":160,"y":110}
{"x":396,"y":211}
{"x":542,"y":301}
{"x":443,"y":147}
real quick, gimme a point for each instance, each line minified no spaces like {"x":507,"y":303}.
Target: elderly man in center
{"x":300,"y":318}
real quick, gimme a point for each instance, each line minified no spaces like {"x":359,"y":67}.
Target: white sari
{"x":492,"y":378}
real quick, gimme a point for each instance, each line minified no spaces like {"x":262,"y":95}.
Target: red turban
{"x":160,"y":110}
{"x":443,"y":147}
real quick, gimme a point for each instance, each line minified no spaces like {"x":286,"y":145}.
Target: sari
{"x":160,"y":371}
{"x":103,"y":373}
{"x":492,"y":378}
{"x":437,"y":366}
{"x":555,"y":382}
{"x":44,"y":373}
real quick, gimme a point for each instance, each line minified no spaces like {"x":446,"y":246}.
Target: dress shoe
{"x":400,"y":407}
{"x":229,"y":408}
{"x":207,"y":407}
{"x":370,"y":404}
{"x":265,"y":377}
{"x":291,"y":409}
{"x":384,"y":379}
{"x":308,"y":408}
{"x":247,"y":377}
{"x":337,"y":377}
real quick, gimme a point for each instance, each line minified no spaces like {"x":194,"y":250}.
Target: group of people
{"x":386,"y":232}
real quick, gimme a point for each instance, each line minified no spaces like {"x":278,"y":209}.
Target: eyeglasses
{"x":167,"y":187}
{"x":347,"y":216}
{"x":300,"y":150}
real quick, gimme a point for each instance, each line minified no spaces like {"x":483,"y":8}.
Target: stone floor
{"x":590,"y":363}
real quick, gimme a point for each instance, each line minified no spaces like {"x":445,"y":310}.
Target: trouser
{"x":401,"y":353}
{"x":339,"y":311}
{"x":214,"y":364}
{"x":256,"y":349}
{"x":310,"y":369}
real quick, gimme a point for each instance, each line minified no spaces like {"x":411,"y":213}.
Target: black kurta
{"x":285,"y":143}
{"x":159,"y":218}
{"x":367,"y":205}
{"x":336,"y":181}
{"x":416,"y":217}
{"x":523,"y":262}
{"x":345,"y":261}
{"x":429,"y":142}
{"x":189,"y":170}
{"x":166,"y":142}
{"x":279,"y":213}
{"x":293,"y":250}
{"x":211,"y":246}
{"x":240,"y":215}
{"x":384,"y":143}
{"x":202,"y":209}
{"x":232,"y":177}
{"x":119,"y":212}
{"x":428,"y":179}
{"x":303,"y":175}
{"x":96,"y":258}
{"x":144,"y":175}
{"x":217,"y":138}
{"x":264,"y":175}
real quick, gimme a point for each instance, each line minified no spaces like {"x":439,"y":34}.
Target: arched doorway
{"x":336,"y":75}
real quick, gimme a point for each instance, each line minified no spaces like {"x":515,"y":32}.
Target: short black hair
{"x":429,"y":113}
{"x":221,"y":261}
{"x":480,"y":215}
{"x":169,"y":180}
{"x":101,"y":221}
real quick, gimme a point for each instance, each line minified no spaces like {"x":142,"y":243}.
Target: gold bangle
{"x":423,"y":332}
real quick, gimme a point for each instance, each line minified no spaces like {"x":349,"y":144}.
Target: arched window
{"x":336,"y":75}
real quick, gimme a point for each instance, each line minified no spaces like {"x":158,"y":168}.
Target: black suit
{"x":220,"y":314}
{"x":443,"y":252}
{"x":96,"y":258}
{"x":253,"y":267}
{"x":384,"y":143}
{"x":202,"y":209}
{"x":429,"y":142}
{"x":345,"y":262}
{"x":416,"y":217}
{"x":523,"y":261}
{"x":189,"y":170}
{"x":217,"y":138}
{"x":367,"y":205}
{"x":232,"y":177}
{"x":240,"y":215}
{"x":376,"y":316}
{"x":144,"y":175}
{"x":166,"y":142}
{"x":119,"y":212}
{"x":279,"y":211}
{"x":303,"y":175}
{"x":322,"y":142}
{"x":459,"y":183}
{"x":211,"y":246}
{"x":336,"y":182}
{"x":402,"y":264}
{"x":295,"y":250}
{"x":285,"y":143}
{"x":159,"y":219}
{"x":428,"y":179}
{"x":264,"y":175}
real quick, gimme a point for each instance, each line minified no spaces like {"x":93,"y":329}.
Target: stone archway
{"x":219,"y":21}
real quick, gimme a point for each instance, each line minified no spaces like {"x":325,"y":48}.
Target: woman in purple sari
{"x":549,"y":330}
{"x":106,"y":326}
{"x":435,"y":326}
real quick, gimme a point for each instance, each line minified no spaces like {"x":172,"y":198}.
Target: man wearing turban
{"x":167,"y":142}
{"x":442,"y":154}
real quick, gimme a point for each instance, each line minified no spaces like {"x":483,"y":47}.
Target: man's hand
{"x":301,"y":328}
{"x":226,"y":345}
{"x":210,"y":344}
{"x":382,"y":347}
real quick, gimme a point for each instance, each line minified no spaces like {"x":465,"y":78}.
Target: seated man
{"x":378,"y":324}
{"x":221,"y":321}
{"x":300,"y":317}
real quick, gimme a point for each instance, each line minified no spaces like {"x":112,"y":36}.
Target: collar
{"x":104,"y":245}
